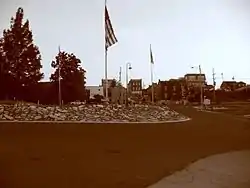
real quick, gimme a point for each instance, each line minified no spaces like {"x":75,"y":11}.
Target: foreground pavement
{"x":113,"y":155}
{"x":229,"y":170}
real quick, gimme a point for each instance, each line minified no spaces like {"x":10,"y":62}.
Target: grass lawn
{"x":112,"y":156}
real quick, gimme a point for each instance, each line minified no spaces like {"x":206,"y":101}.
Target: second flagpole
{"x":106,"y":55}
{"x":151,"y":70}
{"x":152,"y":82}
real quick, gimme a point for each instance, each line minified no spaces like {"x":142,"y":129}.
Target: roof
{"x":135,"y":79}
{"x":241,"y":82}
{"x":109,"y":79}
{"x":92,"y":87}
{"x":162,"y":81}
{"x":228,"y":82}
{"x":194,"y":74}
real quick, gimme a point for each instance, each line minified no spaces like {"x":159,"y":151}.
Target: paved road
{"x":113,"y":156}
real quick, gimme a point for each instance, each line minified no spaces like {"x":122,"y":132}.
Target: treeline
{"x":20,"y":68}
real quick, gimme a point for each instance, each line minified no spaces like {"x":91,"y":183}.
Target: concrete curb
{"x":93,"y":122}
{"x":213,"y":112}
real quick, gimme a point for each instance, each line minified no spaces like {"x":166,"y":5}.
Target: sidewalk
{"x":228,"y":170}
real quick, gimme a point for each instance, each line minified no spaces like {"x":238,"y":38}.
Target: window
{"x":174,"y":88}
{"x":165,"y":95}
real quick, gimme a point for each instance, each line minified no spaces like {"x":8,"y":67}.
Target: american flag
{"x":110,"y":38}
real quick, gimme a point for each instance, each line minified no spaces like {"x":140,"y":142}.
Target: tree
{"x":113,"y":83}
{"x":98,"y":98}
{"x":72,"y":76}
{"x":22,"y":60}
{"x":2,"y":85}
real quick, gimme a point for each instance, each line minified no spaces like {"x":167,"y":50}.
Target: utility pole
{"x":120,"y":85}
{"x":214,"y":84}
{"x":120,"y":75}
{"x":201,"y":85}
{"x":59,"y":77}
{"x":128,"y":67}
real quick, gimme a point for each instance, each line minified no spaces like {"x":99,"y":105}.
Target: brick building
{"x":195,"y":80}
{"x":147,"y":93}
{"x":118,"y":95}
{"x":232,"y":85}
{"x":135,"y":87}
{"x":173,"y":89}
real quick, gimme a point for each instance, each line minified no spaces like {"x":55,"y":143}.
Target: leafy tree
{"x":2,"y":85}
{"x":72,"y":76}
{"x":98,"y":98}
{"x":113,"y":83}
{"x":21,"y":61}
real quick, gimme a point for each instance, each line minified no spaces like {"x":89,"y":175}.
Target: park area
{"x":113,"y":155}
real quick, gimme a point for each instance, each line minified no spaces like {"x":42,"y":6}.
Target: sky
{"x":183,"y":33}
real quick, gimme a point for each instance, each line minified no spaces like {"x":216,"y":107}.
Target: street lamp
{"x":128,"y":67}
{"x":201,"y":86}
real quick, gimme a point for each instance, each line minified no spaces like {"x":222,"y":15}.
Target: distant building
{"x":209,"y":88}
{"x":110,"y":82}
{"x":232,"y":85}
{"x":163,"y":90}
{"x":246,"y":88}
{"x":118,"y":95}
{"x":241,"y":84}
{"x":147,"y":93}
{"x":195,"y":80}
{"x":135,"y":87}
{"x":173,"y":89}
{"x":95,"y":90}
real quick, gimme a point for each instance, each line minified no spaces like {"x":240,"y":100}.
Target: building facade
{"x":118,"y":95}
{"x":195,"y":80}
{"x":135,"y":87}
{"x":173,"y":89}
{"x":232,"y":85}
{"x":95,"y":90}
{"x":110,"y":83}
{"x":147,"y":93}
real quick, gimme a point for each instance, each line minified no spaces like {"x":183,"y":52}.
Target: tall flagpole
{"x":152,"y":81}
{"x":151,"y":69}
{"x":59,"y":77}
{"x":106,"y":55}
{"x":110,"y":39}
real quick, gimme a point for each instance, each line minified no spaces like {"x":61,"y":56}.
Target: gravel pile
{"x":88,"y":113}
